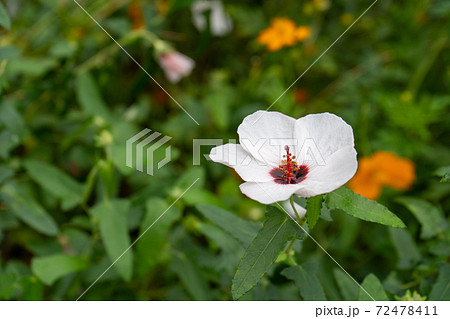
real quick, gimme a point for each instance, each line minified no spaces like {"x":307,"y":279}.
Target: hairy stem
{"x":287,"y":252}
{"x":299,"y":221}
{"x":293,"y":207}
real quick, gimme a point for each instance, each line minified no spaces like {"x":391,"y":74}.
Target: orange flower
{"x":394,"y":171}
{"x":379,"y":170}
{"x":302,"y":33}
{"x":282,"y":32}
{"x":365,"y":181}
{"x":136,"y":15}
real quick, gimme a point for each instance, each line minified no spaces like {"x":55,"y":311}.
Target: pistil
{"x":289,"y":172}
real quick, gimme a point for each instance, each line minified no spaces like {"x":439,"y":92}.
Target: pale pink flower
{"x":175,"y":65}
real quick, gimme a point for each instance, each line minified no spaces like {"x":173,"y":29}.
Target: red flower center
{"x":289,"y":172}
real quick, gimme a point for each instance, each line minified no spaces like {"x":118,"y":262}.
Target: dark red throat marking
{"x":289,"y":172}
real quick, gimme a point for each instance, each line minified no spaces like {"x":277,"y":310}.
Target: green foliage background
{"x":70,"y":98}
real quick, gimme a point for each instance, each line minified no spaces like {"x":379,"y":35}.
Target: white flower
{"x":220,"y":22}
{"x":279,"y":156}
{"x":175,"y":65}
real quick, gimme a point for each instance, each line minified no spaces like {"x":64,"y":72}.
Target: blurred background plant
{"x":70,"y":98}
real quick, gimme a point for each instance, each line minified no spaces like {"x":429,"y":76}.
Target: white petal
{"x":264,"y":135}
{"x":198,"y":19}
{"x":220,"y":22}
{"x":269,"y":192}
{"x":234,"y":155}
{"x":320,"y":136}
{"x":339,"y":168}
{"x":288,"y":208}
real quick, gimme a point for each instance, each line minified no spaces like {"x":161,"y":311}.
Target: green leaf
{"x":305,"y":279}
{"x":408,"y":254}
{"x":191,"y":276}
{"x":89,"y":97}
{"x":148,"y":247}
{"x":220,"y":237}
{"x":50,"y":268}
{"x":5,"y":173}
{"x":8,"y":141}
{"x":89,"y":185}
{"x":361,"y":207}
{"x":444,"y":172}
{"x":63,"y":49}
{"x":429,"y":216}
{"x":28,"y":210}
{"x":55,"y":181}
{"x":78,"y":240}
{"x":8,"y":52}
{"x":32,"y":288}
{"x":114,"y":232}
{"x":12,"y":119}
{"x":348,"y":288}
{"x":230,"y":249}
{"x":374,"y":287}
{"x":107,"y":175}
{"x":242,"y":230}
{"x":441,"y":288}
{"x":201,"y":196}
{"x":325,"y":213}
{"x":4,"y":17}
{"x":441,"y":247}
{"x":121,"y":131}
{"x":222,"y":100}
{"x":313,"y":209}
{"x":31,"y":66}
{"x":8,"y":284}
{"x":263,"y":251}
{"x":189,"y":176}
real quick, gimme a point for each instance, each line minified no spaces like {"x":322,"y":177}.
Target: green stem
{"x":288,"y":248}
{"x":105,"y":54}
{"x":426,"y":64}
{"x":287,"y":252}
{"x":293,"y":207}
{"x":299,"y":221}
